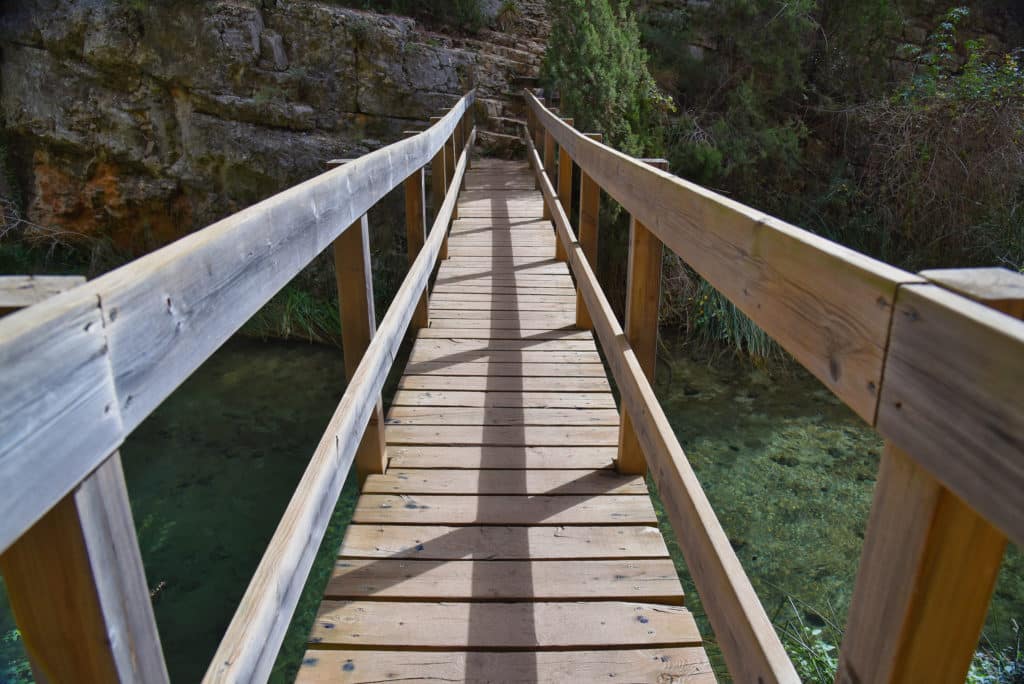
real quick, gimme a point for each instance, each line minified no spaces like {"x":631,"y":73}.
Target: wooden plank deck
{"x":501,"y":545}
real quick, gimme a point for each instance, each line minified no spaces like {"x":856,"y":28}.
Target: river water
{"x":788,"y":469}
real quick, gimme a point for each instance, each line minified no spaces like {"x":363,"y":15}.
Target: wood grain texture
{"x":651,"y":580}
{"x":492,"y":369}
{"x":503,"y":435}
{"x":483,"y":456}
{"x":416,"y":233}
{"x":643,"y":298}
{"x":78,"y":589}
{"x":490,"y":415}
{"x":541,"y":625}
{"x":589,"y":230}
{"x":827,"y":305}
{"x":479,"y":482}
{"x":423,"y":509}
{"x":19,"y":291}
{"x":481,"y":383}
{"x":998,"y":288}
{"x":687,"y":665}
{"x":354,"y":275}
{"x":748,"y":641}
{"x":500,"y":542}
{"x":574,"y":400}
{"x":951,"y":399}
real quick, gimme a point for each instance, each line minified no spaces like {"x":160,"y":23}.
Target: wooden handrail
{"x":84,"y":368}
{"x":251,"y":642}
{"x":827,"y":305}
{"x":745,"y":634}
{"x":949,"y":405}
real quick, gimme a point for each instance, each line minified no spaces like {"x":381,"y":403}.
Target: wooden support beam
{"x":439,"y":186}
{"x":930,"y":561}
{"x":416,"y":235}
{"x":19,"y":291}
{"x":549,"y":165}
{"x":587,"y":235}
{"x":564,"y":190}
{"x":450,"y":155}
{"x":358,"y":324}
{"x":643,"y":297}
{"x":78,"y":589}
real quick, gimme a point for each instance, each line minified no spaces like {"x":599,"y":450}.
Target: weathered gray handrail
{"x":254,"y":637}
{"x":83,"y":369}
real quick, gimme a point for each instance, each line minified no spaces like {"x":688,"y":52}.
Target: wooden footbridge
{"x":505,"y":532}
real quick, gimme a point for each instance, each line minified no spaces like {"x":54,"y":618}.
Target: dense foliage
{"x":842,"y":116}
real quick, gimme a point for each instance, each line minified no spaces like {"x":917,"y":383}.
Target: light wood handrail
{"x":84,"y":368}
{"x":251,"y":642}
{"x":745,"y":634}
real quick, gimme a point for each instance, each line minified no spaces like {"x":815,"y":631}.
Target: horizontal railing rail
{"x":742,"y":629}
{"x":937,"y":373}
{"x":251,"y":642}
{"x":82,"y":369}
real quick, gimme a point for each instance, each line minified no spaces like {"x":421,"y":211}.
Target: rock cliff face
{"x":137,"y":121}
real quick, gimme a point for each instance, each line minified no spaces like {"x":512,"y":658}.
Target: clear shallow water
{"x":787,"y":468}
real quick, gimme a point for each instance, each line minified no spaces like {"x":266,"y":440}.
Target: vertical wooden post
{"x":438,"y":187}
{"x":354,"y":275}
{"x":929,"y":562}
{"x":450,"y":158}
{"x":590,"y":210}
{"x":564,"y":190}
{"x":549,"y":165}
{"x":416,"y":235}
{"x":78,"y":589}
{"x":643,"y":296}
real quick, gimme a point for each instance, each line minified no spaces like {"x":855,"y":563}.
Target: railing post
{"x":354,"y":275}
{"x":564,"y":190}
{"x":549,"y":166}
{"x":643,"y":296}
{"x":416,"y":235}
{"x":450,"y":155}
{"x":929,"y":562}
{"x":538,"y":137}
{"x":590,"y":210}
{"x":438,"y":187}
{"x":78,"y":588}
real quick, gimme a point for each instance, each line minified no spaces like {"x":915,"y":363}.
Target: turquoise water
{"x":788,"y":469}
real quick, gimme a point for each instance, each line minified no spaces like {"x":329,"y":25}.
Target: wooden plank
{"x":554,"y":315}
{"x":564,"y":188}
{"x":564,"y":333}
{"x":651,"y":580}
{"x":448,"y":415}
{"x":416,"y":234}
{"x":499,"y":542}
{"x":999,"y":288}
{"x":643,"y":298}
{"x":742,"y":629}
{"x":521,"y":357}
{"x":951,"y":399}
{"x":550,"y":482}
{"x":529,"y":435}
{"x":540,"y":625}
{"x":498,"y":289}
{"x":354,"y":276}
{"x":517,"y":369}
{"x":589,"y":228}
{"x":521,"y":326}
{"x":19,"y":291}
{"x":686,"y":665}
{"x":495,"y":305}
{"x":161,"y":317}
{"x":549,"y":162}
{"x":500,"y":252}
{"x":435,"y":346}
{"x":535,"y":352}
{"x":828,"y":305}
{"x":574,"y":400}
{"x":250,"y":645}
{"x":491,"y":298}
{"x":388,"y":509}
{"x":78,"y":590}
{"x":504,"y":384}
{"x":502,"y":457}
